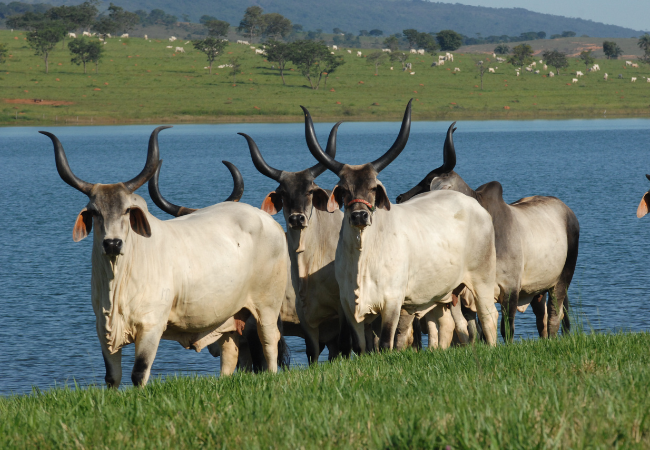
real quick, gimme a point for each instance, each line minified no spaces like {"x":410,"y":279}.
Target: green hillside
{"x":386,"y":15}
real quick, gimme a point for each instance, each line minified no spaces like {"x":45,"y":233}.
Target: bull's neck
{"x":464,"y":188}
{"x":359,"y":239}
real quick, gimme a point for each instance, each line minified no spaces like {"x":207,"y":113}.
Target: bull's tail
{"x":345,"y":338}
{"x":417,"y":334}
{"x":566,"y":320}
{"x":284,"y":352}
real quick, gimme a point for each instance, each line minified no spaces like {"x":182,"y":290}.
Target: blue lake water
{"x":47,"y":332}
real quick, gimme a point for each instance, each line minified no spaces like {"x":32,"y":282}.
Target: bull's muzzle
{"x":360,"y":218}
{"x":297,"y":221}
{"x":112,"y":247}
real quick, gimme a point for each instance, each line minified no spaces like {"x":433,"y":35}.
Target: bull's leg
{"x":345,"y":338}
{"x":333,"y":349}
{"x":404,"y":335}
{"x":229,"y":344}
{"x":267,"y":329}
{"x":460,"y":323}
{"x":113,"y":365}
{"x":509,"y":309}
{"x":472,"y":329}
{"x":146,"y":346}
{"x":390,"y":315}
{"x":539,"y":308}
{"x":311,"y":342}
{"x":441,"y":315}
{"x":487,"y":312}
{"x":358,"y":337}
{"x":555,"y":305}
{"x":432,"y":328}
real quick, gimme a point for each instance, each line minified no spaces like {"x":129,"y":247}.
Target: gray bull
{"x":536,"y":242}
{"x":182,"y":279}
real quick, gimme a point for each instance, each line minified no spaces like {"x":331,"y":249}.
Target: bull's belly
{"x":200,"y":315}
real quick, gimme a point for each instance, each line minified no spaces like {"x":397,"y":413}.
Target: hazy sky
{"x":626,"y":13}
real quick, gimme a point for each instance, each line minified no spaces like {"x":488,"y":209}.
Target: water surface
{"x":47,"y":331}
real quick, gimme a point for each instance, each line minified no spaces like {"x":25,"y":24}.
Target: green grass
{"x":143,"y":82}
{"x":581,"y":391}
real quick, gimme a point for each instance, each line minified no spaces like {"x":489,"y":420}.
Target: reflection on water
{"x":47,"y":332}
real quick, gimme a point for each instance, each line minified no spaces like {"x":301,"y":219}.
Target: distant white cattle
{"x":575,"y":80}
{"x":72,"y":35}
{"x":414,"y":51}
{"x":172,"y":39}
{"x":551,"y":74}
{"x":350,"y":51}
{"x":85,"y":33}
{"x":636,"y":66}
{"x":491,"y":70}
{"x":169,"y":46}
{"x":125,"y":35}
{"x":412,"y":73}
{"x":334,"y":47}
{"x":456,"y":69}
{"x":633,"y":79}
{"x":146,"y":38}
{"x":628,"y":63}
{"x":386,"y":50}
{"x":180,"y":50}
{"x":421,"y":51}
{"x":359,"y":54}
{"x":529,"y":69}
{"x":605,"y":77}
{"x":259,"y":51}
{"x":537,"y":72}
{"x":579,"y":74}
{"x":545,"y":67}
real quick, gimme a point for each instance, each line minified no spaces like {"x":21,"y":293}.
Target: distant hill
{"x":388,"y":16}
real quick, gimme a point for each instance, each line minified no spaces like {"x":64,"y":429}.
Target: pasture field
{"x":580,"y":391}
{"x":143,"y":81}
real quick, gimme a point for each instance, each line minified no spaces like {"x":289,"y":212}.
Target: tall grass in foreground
{"x":581,"y":391}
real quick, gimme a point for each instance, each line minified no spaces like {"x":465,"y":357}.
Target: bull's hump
{"x":491,"y":192}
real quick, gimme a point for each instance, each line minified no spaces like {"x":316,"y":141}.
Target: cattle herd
{"x":375,"y":275}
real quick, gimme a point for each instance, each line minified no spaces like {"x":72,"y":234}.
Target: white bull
{"x":183,"y":279}
{"x":408,"y":258}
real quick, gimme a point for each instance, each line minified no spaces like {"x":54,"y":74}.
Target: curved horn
{"x":326,"y":159}
{"x":647,"y":176}
{"x":310,"y":137}
{"x":160,"y":201}
{"x":238,"y":181}
{"x":259,"y":162}
{"x":399,"y":144}
{"x":448,"y":152}
{"x":63,"y":167}
{"x":153,"y":154}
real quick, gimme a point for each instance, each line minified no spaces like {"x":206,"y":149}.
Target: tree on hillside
{"x":587,"y":58}
{"x":64,"y":15}
{"x":644,"y":43}
{"x":105,"y":26}
{"x":555,"y":58}
{"x":411,"y":36}
{"x":276,"y":26}
{"x":28,"y":21}
{"x":522,"y":55}
{"x":449,"y":40}
{"x":84,"y":50}
{"x":44,"y":39}
{"x":235,"y":67}
{"x":124,"y":20}
{"x":212,"y":47}
{"x":568,"y":34}
{"x":482,"y":69}
{"x":502,"y":49}
{"x":375,"y":32}
{"x":392,"y":43}
{"x":364,"y":33}
{"x":400,"y":57}
{"x":330,"y":64}
{"x":217,"y":28}
{"x":3,"y":53}
{"x":206,"y":18}
{"x":252,"y":23}
{"x":377,"y":59}
{"x":428,"y":43}
{"x":280,"y":54}
{"x":612,"y":49}
{"x":312,"y":58}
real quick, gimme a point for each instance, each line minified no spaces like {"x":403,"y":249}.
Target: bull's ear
{"x":335,"y":200}
{"x":83,"y":225}
{"x":272,"y":204}
{"x":642,"y":210}
{"x":320,"y":198}
{"x":139,"y":222}
{"x":381,"y":198}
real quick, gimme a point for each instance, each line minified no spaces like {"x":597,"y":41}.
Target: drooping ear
{"x":320,"y":198}
{"x":83,"y":225}
{"x":272,"y":204}
{"x":139,"y":222}
{"x":642,"y":210}
{"x":381,"y":198}
{"x":335,"y":200}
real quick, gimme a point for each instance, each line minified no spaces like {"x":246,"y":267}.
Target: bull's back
{"x":234,"y":254}
{"x":545,"y":228}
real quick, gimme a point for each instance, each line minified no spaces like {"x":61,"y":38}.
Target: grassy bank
{"x":144,"y":82}
{"x":576,"y":392}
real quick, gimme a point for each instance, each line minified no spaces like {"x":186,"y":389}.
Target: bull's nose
{"x":297,"y":221}
{"x":112,"y":247}
{"x":360,"y":218}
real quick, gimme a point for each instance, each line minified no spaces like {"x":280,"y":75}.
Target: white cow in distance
{"x":85,"y":33}
{"x":628,"y":63}
{"x":421,"y":51}
{"x":491,"y":70}
{"x":414,"y":51}
{"x":334,"y":47}
{"x":456,"y":69}
{"x":169,"y":46}
{"x":72,"y":35}
{"x":172,"y":39}
{"x":633,"y":79}
{"x":180,"y":50}
{"x":350,"y":51}
{"x":359,"y":54}
{"x":579,"y":74}
{"x":125,"y":35}
{"x":146,"y":38}
{"x":605,"y":77}
{"x":551,"y":74}
{"x":575,"y":80}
